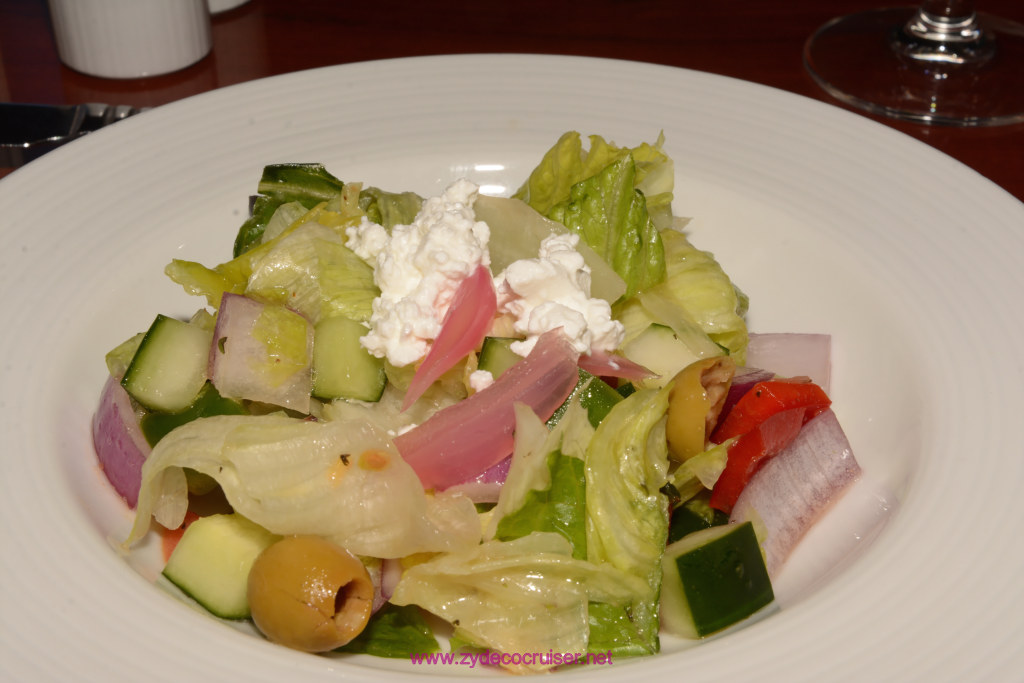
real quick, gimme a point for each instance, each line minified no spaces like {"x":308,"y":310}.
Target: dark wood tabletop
{"x":753,"y":40}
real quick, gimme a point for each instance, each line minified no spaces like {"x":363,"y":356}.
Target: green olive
{"x":309,"y":594}
{"x":694,"y":402}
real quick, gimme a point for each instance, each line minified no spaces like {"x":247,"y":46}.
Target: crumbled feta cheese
{"x":553,"y":290}
{"x":480,"y":380}
{"x":418,"y":268}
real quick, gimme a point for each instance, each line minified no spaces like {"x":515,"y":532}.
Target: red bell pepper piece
{"x":764,"y":399}
{"x":765,"y":420}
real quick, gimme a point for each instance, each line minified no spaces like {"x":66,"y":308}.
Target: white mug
{"x":130,"y":38}
{"x":224,"y":5}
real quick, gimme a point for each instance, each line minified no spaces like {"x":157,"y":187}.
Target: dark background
{"x":753,"y":40}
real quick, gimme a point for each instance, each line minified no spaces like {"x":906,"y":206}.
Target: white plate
{"x":831,"y":223}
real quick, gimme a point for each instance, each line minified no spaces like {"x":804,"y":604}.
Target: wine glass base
{"x":866,"y":60}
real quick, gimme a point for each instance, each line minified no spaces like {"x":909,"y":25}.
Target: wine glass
{"x":942,"y":63}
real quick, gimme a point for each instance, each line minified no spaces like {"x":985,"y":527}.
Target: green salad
{"x":461,"y":424}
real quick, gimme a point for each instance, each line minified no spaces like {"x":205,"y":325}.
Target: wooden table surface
{"x":752,"y":40}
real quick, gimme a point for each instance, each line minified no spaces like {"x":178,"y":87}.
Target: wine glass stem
{"x":945,"y":21}
{"x":945,"y":32}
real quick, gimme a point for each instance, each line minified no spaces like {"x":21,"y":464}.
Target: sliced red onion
{"x":120,"y":446}
{"x":235,"y":353}
{"x":601,"y":364}
{"x":465,"y":325}
{"x":742,"y":381}
{"x":390,"y":573}
{"x":793,"y":489}
{"x":793,"y":355}
{"x":485,"y":487}
{"x":458,"y":443}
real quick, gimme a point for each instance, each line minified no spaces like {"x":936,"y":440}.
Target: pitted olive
{"x":309,"y":594}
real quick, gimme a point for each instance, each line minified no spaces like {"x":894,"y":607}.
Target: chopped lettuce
{"x":288,"y":267}
{"x":615,"y":198}
{"x":700,"y":472}
{"x":307,"y":185}
{"x":341,"y":479}
{"x":545,"y":487}
{"x":610,"y":498}
{"x":567,"y":163}
{"x":627,"y":514}
{"x":559,"y":508}
{"x":610,"y":215}
{"x":697,"y":285}
{"x":284,"y":216}
{"x":560,"y":168}
{"x":304,"y":184}
{"x":389,"y":208}
{"x":312,"y":272}
{"x":697,"y":300}
{"x":525,"y":595}
{"x":395,"y":632}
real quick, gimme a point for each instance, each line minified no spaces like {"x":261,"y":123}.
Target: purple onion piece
{"x":793,"y":489}
{"x":121,"y":448}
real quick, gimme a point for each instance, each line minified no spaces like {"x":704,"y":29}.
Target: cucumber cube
{"x":713,"y":579}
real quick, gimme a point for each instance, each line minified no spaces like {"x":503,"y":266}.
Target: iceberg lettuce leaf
{"x":545,"y":488}
{"x":311,"y":271}
{"x":612,"y":630}
{"x":699,"y":473}
{"x":389,"y":208}
{"x":525,"y":595}
{"x":559,"y":508}
{"x":339,"y":479}
{"x":627,"y":514}
{"x":697,"y":285}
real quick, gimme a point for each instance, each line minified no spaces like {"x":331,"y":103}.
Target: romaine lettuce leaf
{"x":610,"y":215}
{"x":567,"y":163}
{"x":559,"y":169}
{"x":395,"y":632}
{"x":616,"y":198}
{"x":306,"y":184}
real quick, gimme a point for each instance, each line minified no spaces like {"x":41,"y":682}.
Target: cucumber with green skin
{"x":496,"y":355}
{"x":211,"y":562}
{"x":694,"y":515}
{"x":209,"y":402}
{"x":342,"y":368}
{"x":169,"y":368}
{"x":712,"y":579}
{"x":659,"y":349}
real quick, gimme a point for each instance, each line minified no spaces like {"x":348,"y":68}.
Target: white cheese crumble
{"x":418,"y":268}
{"x":553,"y":290}
{"x":480,"y":380}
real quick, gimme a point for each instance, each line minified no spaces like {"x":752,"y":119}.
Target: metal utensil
{"x":28,"y":131}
